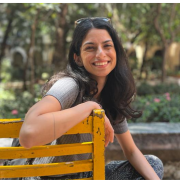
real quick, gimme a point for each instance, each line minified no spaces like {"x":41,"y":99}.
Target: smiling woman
{"x":97,"y":75}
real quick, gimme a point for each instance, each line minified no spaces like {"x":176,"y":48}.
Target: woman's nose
{"x":100,"y":52}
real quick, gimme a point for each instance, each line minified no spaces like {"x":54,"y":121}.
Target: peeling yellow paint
{"x":99,"y":144}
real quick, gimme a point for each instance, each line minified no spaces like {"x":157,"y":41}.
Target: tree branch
{"x":137,"y":34}
{"x":177,"y":31}
{"x":156,"y":24}
{"x":31,"y":50}
{"x":8,"y":29}
{"x":44,"y":18}
{"x":172,"y":15}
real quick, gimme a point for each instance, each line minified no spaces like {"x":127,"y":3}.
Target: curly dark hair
{"x":119,"y":90}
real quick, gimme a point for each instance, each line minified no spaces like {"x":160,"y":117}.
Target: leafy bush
{"x":158,"y":108}
{"x":15,"y":104}
{"x":146,"y":89}
{"x":163,"y":88}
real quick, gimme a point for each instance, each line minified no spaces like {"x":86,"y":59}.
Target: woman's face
{"x":98,"y":54}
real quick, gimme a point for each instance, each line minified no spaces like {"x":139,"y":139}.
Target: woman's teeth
{"x":100,"y":64}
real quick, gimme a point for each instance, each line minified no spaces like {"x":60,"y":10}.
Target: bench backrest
{"x":93,"y":124}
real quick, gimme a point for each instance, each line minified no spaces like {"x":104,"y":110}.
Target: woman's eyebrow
{"x":107,"y":41}
{"x":87,"y":43}
{"x":94,"y":43}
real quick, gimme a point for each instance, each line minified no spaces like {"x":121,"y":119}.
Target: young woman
{"x":97,"y":75}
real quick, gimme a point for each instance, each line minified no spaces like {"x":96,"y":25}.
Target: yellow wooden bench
{"x":94,"y":124}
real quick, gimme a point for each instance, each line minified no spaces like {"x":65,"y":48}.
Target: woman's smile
{"x":101,"y":64}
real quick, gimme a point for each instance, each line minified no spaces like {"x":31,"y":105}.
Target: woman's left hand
{"x":109,"y":132}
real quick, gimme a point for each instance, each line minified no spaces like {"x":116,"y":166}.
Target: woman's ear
{"x":78,"y":60}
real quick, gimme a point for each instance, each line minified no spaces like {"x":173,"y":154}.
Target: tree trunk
{"x":163,"y":75}
{"x":59,"y":57}
{"x":144,"y":59}
{"x":31,"y":52}
{"x":164,"y":40}
{"x":5,"y":38}
{"x":24,"y":76}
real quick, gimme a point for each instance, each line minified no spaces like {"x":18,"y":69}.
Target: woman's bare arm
{"x":135,"y":157}
{"x":45,"y":121}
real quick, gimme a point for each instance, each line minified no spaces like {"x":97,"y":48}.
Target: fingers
{"x":109,"y":132}
{"x":109,"y":137}
{"x":112,"y":136}
{"x":106,"y":141}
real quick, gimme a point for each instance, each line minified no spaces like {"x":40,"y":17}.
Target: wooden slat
{"x":10,"y":129}
{"x":99,"y":141}
{"x":84,"y":126}
{"x":46,"y":169}
{"x":84,"y":179}
{"x":7,"y":120}
{"x":45,"y":151}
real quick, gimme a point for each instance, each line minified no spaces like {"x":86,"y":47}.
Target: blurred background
{"x":34,"y":43}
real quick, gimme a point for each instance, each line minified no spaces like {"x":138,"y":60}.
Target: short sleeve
{"x":121,"y":127}
{"x":65,"y":90}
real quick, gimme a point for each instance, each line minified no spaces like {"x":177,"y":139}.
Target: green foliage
{"x":158,"y":108}
{"x":15,"y":104}
{"x":174,"y":73}
{"x":159,"y":103}
{"x":5,"y":73}
{"x":146,"y":89}
{"x":163,"y":88}
{"x":137,"y":19}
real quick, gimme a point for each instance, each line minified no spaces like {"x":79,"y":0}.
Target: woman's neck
{"x":101,"y":83}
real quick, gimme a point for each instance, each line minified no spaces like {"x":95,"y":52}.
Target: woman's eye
{"x":108,"y":45}
{"x":89,"y":48}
